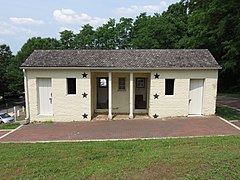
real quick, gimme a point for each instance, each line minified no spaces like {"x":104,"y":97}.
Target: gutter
{"x":26,"y":95}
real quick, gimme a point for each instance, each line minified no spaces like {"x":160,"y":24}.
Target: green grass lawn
{"x":21,"y":117}
{"x":235,"y":95}
{"x":9,"y":125}
{"x":189,"y":158}
{"x":227,"y":113}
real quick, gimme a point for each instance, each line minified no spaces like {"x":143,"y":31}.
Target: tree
{"x":175,"y":25}
{"x":161,"y":30}
{"x":5,"y":59}
{"x":142,"y":33}
{"x":14,"y":72}
{"x":215,"y":25}
{"x":123,"y":33}
{"x":106,"y":36}
{"x":209,"y":24}
{"x":67,"y":39}
{"x":85,"y":38}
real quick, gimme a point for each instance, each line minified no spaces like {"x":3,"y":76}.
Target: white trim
{"x":233,"y":125}
{"x":131,"y":96}
{"x":26,"y":94}
{"x":11,"y":132}
{"x":110,"y":95}
{"x":125,"y":68}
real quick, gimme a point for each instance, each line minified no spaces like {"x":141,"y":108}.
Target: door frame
{"x":38,"y":97}
{"x":147,"y":86}
{"x":203,"y":85}
{"x":97,"y":93}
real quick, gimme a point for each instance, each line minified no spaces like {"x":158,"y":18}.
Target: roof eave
{"x":127,"y":68}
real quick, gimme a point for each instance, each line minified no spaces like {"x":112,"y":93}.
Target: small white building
{"x":73,"y":85}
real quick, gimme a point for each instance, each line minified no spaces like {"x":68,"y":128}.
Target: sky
{"x":23,"y":19}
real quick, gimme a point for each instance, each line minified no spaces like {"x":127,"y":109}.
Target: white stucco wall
{"x":178,"y":104}
{"x":65,"y":107}
{"x":72,"y":107}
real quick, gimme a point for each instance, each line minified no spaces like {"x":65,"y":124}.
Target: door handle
{"x":50,"y":99}
{"x":189,"y":100}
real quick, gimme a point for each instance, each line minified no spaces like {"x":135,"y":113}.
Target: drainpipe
{"x":26,"y":95}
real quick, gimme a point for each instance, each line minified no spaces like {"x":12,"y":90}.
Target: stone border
{"x":106,"y":140}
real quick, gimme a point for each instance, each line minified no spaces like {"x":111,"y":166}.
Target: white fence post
{"x":15,"y":113}
{"x":7,"y":107}
{"x":18,"y":113}
{"x":23,"y":109}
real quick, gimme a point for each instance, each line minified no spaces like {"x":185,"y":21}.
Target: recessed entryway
{"x":140,"y":93}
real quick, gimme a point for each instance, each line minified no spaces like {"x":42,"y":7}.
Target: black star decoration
{"x":156,"y":96}
{"x":84,"y":75}
{"x":84,"y":116}
{"x":155,"y":115}
{"x":84,"y":95}
{"x":156,"y":76}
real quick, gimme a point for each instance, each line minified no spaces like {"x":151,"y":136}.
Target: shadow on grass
{"x":227,"y":113}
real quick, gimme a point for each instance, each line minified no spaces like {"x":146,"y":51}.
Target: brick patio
{"x":2,"y":132}
{"x":123,"y":129}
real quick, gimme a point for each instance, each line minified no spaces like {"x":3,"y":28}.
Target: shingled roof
{"x":122,"y":59}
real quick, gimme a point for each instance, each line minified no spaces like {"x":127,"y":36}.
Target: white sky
{"x":23,"y":19}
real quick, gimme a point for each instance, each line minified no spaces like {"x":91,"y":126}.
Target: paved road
{"x":8,"y":107}
{"x":229,"y":101}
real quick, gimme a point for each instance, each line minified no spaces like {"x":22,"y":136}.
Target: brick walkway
{"x":2,"y":132}
{"x":122,"y":129}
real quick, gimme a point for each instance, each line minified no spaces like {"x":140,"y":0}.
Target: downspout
{"x":26,"y":95}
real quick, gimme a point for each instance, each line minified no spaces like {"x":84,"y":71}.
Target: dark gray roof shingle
{"x":123,"y":59}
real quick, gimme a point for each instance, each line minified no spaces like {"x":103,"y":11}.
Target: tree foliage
{"x":5,"y":59}
{"x":209,"y":24}
{"x":215,"y":25}
{"x":85,"y":39}
{"x":66,"y":39}
{"x":123,"y":33}
{"x":15,"y":74}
